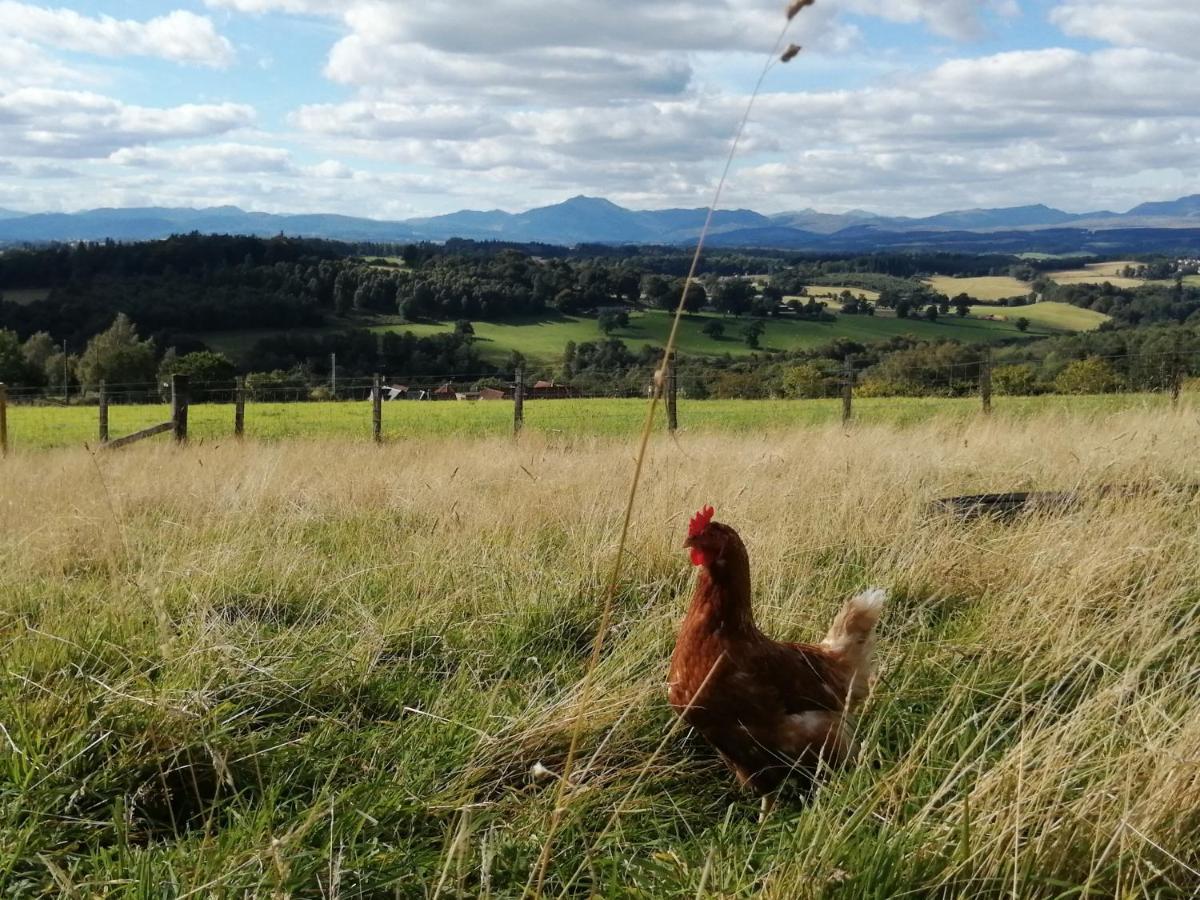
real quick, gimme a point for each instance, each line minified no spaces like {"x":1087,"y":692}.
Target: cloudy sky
{"x":397,"y":108}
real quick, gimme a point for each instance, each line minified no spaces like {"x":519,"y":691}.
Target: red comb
{"x":700,"y":521}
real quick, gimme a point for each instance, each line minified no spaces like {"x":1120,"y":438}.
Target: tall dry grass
{"x":331,"y":669}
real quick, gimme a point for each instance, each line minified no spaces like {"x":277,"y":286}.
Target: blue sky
{"x":397,"y":108}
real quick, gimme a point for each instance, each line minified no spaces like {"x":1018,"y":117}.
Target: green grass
{"x":544,"y":338}
{"x":1048,"y":315}
{"x":983,"y":288}
{"x":40,"y":428}
{"x":325,"y":669}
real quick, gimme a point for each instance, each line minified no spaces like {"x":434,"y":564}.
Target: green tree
{"x":464,"y":327}
{"x":14,"y":367}
{"x":753,"y":333}
{"x":207,"y":370}
{"x":735,"y":296}
{"x":1020,"y":380}
{"x":1087,"y":376}
{"x":714,"y":328}
{"x":612,"y":319}
{"x":962,"y":305}
{"x":39,"y":349}
{"x":1022,"y":324}
{"x":117,"y":356}
{"x":806,"y":381}
{"x":931,"y":313}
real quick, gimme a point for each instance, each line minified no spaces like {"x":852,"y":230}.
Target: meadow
{"x":1099,"y":273}
{"x":325,"y":669}
{"x":999,"y":287}
{"x":35,"y":428}
{"x":544,"y":338}
{"x":1047,"y":315}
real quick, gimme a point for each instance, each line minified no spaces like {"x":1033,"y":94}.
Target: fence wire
{"x":481,"y":404}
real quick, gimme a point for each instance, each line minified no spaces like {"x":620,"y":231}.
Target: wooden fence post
{"x":103,"y":403}
{"x":985,"y":382}
{"x":3,"y":419}
{"x":519,"y":403}
{"x":672,"y":394}
{"x":180,"y":399}
{"x":377,"y":410}
{"x":239,"y":408}
{"x":848,"y":391}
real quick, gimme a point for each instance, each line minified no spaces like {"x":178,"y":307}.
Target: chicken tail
{"x":853,"y":630}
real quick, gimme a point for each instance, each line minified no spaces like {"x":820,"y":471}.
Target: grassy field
{"x":545,"y":338}
{"x":1098,"y":273}
{"x":24,"y":296}
{"x":318,"y":669}
{"x":43,"y":428}
{"x":983,"y":288}
{"x":831,"y":291}
{"x":1048,"y":315}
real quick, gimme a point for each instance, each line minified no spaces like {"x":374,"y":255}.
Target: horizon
{"x":722,"y":208}
{"x":385,"y":111}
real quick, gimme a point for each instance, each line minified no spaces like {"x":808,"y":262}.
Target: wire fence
{"x":482,"y":404}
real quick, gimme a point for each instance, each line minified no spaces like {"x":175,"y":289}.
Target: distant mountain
{"x":1183,"y":208}
{"x":10,"y":213}
{"x":596,"y":220}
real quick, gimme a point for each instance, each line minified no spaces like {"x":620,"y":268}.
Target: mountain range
{"x":595,"y":220}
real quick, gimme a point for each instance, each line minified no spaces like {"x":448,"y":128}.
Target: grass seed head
{"x":796,"y":5}
{"x":791,"y":53}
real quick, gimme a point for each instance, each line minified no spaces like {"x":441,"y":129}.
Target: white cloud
{"x":232,"y":158}
{"x":960,"y":19}
{"x":43,"y":122}
{"x":179,"y":36}
{"x":1170,"y":25}
{"x":23,"y":64}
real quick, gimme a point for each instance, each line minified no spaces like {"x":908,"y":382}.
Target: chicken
{"x":770,"y":709}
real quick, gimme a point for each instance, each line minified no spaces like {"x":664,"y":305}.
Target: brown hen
{"x":771,"y":709}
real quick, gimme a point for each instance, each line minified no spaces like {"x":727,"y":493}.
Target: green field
{"x":545,"y":338}
{"x":24,"y":296}
{"x":39,"y":428}
{"x":1047,"y":315}
{"x":322,"y":669}
{"x":983,"y":288}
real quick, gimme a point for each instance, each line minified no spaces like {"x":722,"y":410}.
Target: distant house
{"x":466,"y":395}
{"x":489,"y":393}
{"x":445,"y":392}
{"x":549,"y":390}
{"x":395,"y":392}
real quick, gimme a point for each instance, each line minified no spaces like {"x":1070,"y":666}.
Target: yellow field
{"x":833,"y":291}
{"x":1059,"y":316}
{"x":1098,"y":273}
{"x":996,"y":287}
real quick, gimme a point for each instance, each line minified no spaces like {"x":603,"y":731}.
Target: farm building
{"x":549,"y":390}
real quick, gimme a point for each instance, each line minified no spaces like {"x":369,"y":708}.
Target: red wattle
{"x":698,"y":557}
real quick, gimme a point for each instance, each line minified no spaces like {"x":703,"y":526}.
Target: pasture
{"x":1047,"y":315}
{"x":1099,"y":273}
{"x":983,"y":288}
{"x":321,"y":668}
{"x":544,"y":338}
{"x":35,"y":428}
